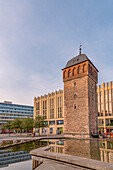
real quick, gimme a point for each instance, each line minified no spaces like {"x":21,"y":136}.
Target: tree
{"x":17,"y":124}
{"x":27,"y":124}
{"x":8,"y":126}
{"x":39,"y":122}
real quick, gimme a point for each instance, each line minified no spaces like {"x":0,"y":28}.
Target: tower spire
{"x":80,"y":49}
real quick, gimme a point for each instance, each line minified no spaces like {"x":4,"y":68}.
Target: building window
{"x":51,"y":108}
{"x":46,"y":123}
{"x":105,"y":93}
{"x":60,"y":122}
{"x":75,"y":106}
{"x":101,"y":97}
{"x":44,"y":104}
{"x":51,"y":103}
{"x":69,"y":73}
{"x":60,"y":112}
{"x":45,"y":114}
{"x":74,"y":83}
{"x":109,"y":95}
{"x":64,"y":74}
{"x":60,"y":107}
{"x":112,"y":94}
{"x":110,"y":109}
{"x":98,"y":97}
{"x":37,"y":113}
{"x":79,"y":70}
{"x":75,"y":96}
{"x":106,"y":109}
{"x":107,"y":122}
{"x":100,"y":122}
{"x":84,"y":68}
{"x":74,"y":71}
{"x":111,"y":122}
{"x":51,"y":122}
{"x":101,"y":109}
{"x":38,"y":106}
{"x":51,"y":113}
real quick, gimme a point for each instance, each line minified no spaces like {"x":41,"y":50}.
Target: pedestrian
{"x":34,"y":134}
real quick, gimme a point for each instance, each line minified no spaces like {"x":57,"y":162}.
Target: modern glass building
{"x":9,"y":111}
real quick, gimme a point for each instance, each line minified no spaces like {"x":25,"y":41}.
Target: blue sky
{"x":38,"y":37}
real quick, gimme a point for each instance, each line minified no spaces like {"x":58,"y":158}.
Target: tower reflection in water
{"x":92,"y":149}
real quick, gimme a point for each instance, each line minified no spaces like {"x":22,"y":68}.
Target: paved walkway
{"x":6,"y":137}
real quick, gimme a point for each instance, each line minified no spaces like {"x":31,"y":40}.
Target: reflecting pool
{"x":18,"y":157}
{"x":93,"y":149}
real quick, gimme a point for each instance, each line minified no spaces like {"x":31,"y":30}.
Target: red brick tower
{"x":80,"y":77}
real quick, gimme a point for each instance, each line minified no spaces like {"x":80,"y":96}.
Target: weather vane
{"x":80,"y":49}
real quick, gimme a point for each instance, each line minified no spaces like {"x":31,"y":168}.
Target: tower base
{"x":77,"y":136}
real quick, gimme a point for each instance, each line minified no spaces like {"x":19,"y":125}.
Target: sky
{"x":38,"y":37}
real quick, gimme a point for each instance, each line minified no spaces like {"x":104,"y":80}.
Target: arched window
{"x":64,"y":74}
{"x":69,"y":73}
{"x":74,"y":71}
{"x":75,"y":96}
{"x":84,"y":68}
{"x":79,"y":70}
{"x":74,"y":83}
{"x":75,"y":106}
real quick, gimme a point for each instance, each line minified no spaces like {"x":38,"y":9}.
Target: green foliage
{"x":7,"y":125}
{"x":111,"y":124}
{"x":27,"y":124}
{"x":17,"y":124}
{"x":39,"y":122}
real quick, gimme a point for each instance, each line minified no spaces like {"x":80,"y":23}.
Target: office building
{"x":51,"y":106}
{"x":105,"y":107}
{"x":9,"y":111}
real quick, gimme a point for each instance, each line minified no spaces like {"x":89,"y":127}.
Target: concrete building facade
{"x":51,"y":106}
{"x":105,"y":107}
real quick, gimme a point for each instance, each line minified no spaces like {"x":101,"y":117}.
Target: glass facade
{"x":60,"y":122}
{"x":9,"y":111}
{"x":51,"y":122}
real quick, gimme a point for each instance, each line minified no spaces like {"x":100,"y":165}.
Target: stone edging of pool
{"x":42,"y":154}
{"x":44,"y":138}
{"x":29,"y":140}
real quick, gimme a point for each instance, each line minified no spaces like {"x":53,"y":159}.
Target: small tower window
{"x":69,"y":73}
{"x":75,"y":106}
{"x":74,"y":71}
{"x":74,"y":83}
{"x":75,"y":96}
{"x":79,"y":70}
{"x":64,"y":74}
{"x":84,"y":68}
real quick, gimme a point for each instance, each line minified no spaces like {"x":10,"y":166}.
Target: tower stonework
{"x":80,"y":77}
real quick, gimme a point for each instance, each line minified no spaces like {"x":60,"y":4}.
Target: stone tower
{"x":80,"y":77}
